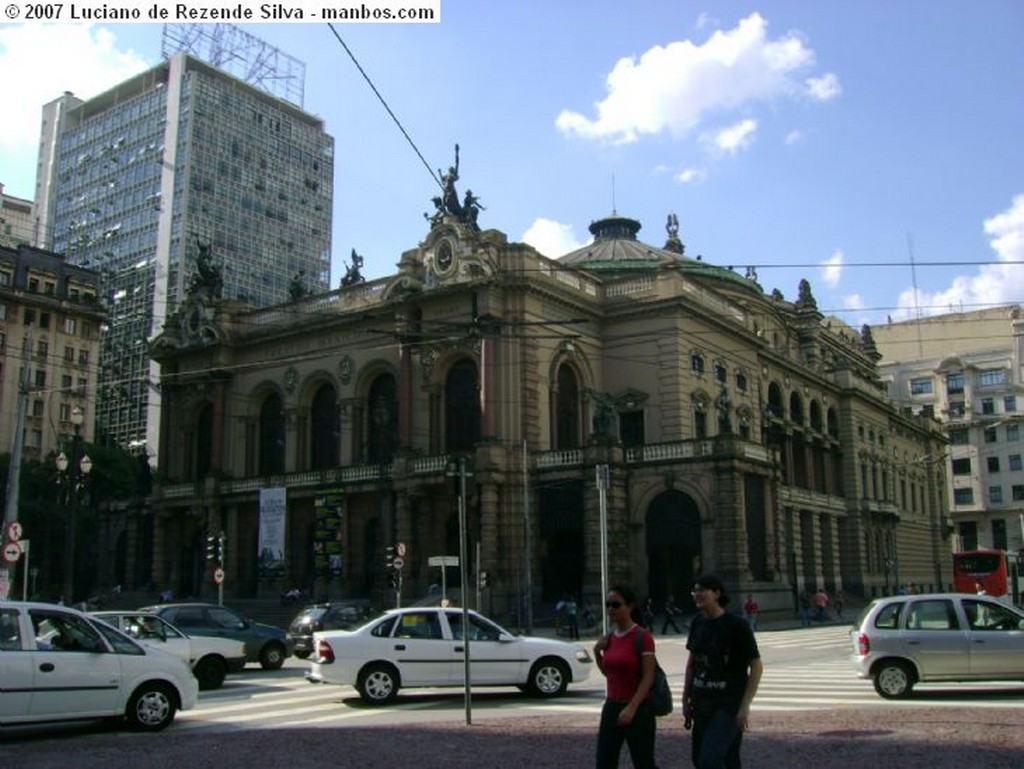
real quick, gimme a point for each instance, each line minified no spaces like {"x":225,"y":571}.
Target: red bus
{"x":996,"y":572}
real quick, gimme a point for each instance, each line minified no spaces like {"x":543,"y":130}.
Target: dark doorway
{"x":561,"y":540}
{"x":673,"y":548}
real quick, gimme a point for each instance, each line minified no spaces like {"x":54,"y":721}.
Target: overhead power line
{"x":388,"y":108}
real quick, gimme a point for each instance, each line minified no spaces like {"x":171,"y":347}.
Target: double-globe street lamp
{"x":72,"y":475}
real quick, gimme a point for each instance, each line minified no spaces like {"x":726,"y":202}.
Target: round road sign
{"x":12,"y":552}
{"x":218,"y":575}
{"x":14,"y":531}
{"x":398,"y":562}
{"x":399,"y":548}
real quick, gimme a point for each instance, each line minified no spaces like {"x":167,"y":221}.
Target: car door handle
{"x":399,"y":647}
{"x":47,"y":667}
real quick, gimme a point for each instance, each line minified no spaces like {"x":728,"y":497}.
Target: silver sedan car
{"x":903,"y":640}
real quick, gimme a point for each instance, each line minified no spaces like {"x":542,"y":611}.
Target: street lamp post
{"x":73,"y":473}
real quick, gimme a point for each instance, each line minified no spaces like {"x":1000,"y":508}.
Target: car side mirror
{"x":506,"y":637}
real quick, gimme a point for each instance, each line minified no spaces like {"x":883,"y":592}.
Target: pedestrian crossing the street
{"x":805,"y":670}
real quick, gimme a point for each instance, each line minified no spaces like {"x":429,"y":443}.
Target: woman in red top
{"x":626,"y":714}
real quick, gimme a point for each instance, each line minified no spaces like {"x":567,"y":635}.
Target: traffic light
{"x":389,"y":558}
{"x":215,"y":547}
{"x":483,"y":579}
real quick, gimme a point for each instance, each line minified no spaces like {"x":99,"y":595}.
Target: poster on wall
{"x":272,"y":528}
{"x":329,"y":514}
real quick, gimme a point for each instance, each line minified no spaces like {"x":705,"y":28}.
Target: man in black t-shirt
{"x":722,"y":676}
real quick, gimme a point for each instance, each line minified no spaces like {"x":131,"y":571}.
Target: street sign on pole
{"x":14,"y":531}
{"x":218,"y":576}
{"x":12,"y":552}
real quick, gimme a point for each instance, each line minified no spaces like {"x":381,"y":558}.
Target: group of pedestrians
{"x":815,"y":607}
{"x":722,"y":675}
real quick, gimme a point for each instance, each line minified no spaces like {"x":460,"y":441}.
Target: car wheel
{"x":210,"y":672}
{"x":272,"y":656}
{"x":549,"y":677}
{"x":151,"y":707}
{"x":302,"y":655}
{"x":378,"y":684}
{"x":893,"y":679}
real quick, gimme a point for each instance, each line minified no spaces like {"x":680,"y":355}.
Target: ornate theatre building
{"x":532,"y":414}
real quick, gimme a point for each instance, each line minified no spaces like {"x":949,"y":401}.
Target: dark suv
{"x":265,"y":644}
{"x":343,"y":615}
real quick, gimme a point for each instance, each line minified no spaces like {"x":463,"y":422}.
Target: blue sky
{"x":808,"y":139}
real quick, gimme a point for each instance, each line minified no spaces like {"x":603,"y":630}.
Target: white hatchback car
{"x":418,"y":647}
{"x":210,"y":658}
{"x":58,"y":664}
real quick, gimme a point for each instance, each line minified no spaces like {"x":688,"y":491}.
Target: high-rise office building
{"x":181,"y":159}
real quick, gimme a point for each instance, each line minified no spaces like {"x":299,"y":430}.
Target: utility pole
{"x":14,"y":469}
{"x":463,"y":563}
{"x":602,"y":496}
{"x":527,"y":546}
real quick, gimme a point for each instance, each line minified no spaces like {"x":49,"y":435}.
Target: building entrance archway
{"x":674,"y":548}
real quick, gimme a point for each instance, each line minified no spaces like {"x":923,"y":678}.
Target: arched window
{"x":462,"y":406}
{"x":775,"y":403}
{"x":796,"y":408}
{"x":833,"y":423}
{"x":382,"y":419}
{"x":325,"y":429}
{"x":204,"y":441}
{"x":567,"y":409}
{"x":816,"y":416}
{"x":271,"y":458}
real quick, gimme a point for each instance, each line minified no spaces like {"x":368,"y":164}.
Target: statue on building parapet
{"x":805,"y":299}
{"x":447,"y":204}
{"x":673,"y":243}
{"x":353,"y":274}
{"x":208,"y":278}
{"x":604,"y":413}
{"x":297,"y":288}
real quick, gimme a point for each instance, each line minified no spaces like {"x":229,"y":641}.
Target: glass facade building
{"x":180,"y":156}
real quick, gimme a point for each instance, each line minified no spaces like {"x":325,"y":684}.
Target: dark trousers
{"x":716,"y":736}
{"x":670,"y":619}
{"x":638,"y":735}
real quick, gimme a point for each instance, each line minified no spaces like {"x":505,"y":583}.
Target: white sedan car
{"x":58,"y":664}
{"x":210,"y":658}
{"x":425,"y":647}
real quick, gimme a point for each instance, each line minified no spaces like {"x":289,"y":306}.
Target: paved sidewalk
{"x":916,"y":738}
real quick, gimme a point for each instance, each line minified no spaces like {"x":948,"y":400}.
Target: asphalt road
{"x":931,"y":731}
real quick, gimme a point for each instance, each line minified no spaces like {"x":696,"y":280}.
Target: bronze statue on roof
{"x":447,"y":205}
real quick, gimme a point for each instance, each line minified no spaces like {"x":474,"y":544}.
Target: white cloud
{"x":824,"y":88}
{"x":854,"y":302}
{"x":734,"y":138}
{"x":552,"y":238}
{"x":81,"y":58}
{"x":832,"y":269}
{"x":998,"y":283}
{"x":794,"y":137}
{"x":706,"y":20}
{"x":674,"y":88}
{"x":691,"y":176}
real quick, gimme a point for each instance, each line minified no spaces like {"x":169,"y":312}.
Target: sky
{"x":875,"y":148}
